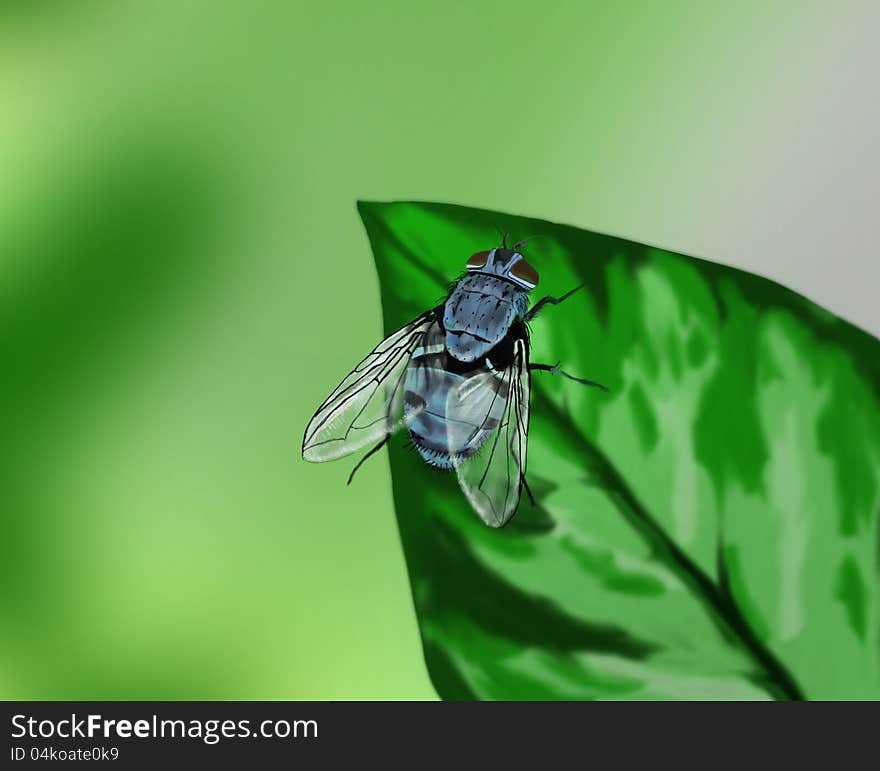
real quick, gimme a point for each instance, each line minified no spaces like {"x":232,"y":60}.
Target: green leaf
{"x":708,"y":529}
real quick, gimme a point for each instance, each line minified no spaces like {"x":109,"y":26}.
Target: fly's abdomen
{"x":449,"y":416}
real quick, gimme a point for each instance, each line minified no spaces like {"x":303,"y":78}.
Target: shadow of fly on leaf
{"x":458,"y":377}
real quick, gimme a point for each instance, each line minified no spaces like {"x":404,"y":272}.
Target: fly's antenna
{"x":518,"y":244}
{"x":503,"y":235}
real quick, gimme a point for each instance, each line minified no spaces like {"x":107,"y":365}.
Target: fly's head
{"x":486,"y":301}
{"x":506,"y":264}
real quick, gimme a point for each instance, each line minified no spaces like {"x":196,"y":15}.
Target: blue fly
{"x":458,"y":377}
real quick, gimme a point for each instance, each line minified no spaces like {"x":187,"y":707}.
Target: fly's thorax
{"x":479,"y":313}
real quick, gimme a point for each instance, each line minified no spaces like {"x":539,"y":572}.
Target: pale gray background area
{"x":787,"y":182}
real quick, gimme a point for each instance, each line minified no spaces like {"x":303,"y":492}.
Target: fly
{"x":458,"y":378}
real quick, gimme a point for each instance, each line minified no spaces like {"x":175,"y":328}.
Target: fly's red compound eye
{"x":525,"y":273}
{"x":477,"y":261}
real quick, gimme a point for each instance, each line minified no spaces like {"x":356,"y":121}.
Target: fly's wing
{"x":368,"y":405}
{"x":492,"y":480}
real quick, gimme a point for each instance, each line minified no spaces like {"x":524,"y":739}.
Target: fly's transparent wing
{"x":368,"y":405}
{"x":492,"y":480}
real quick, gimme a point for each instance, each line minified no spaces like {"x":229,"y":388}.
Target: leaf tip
{"x":365,"y":206}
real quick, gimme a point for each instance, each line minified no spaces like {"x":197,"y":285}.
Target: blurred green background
{"x":183,"y":278}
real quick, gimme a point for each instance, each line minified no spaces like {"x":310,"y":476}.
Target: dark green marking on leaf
{"x":697,"y":348}
{"x":842,"y":437}
{"x":643,"y":416}
{"x":611,"y":575}
{"x":728,"y":438}
{"x":501,"y":609}
{"x":850,"y":590}
{"x":674,"y":356}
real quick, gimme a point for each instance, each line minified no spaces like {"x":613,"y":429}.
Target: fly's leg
{"x":556,"y":371}
{"x":552,"y":300}
{"x":361,"y":461}
{"x":529,"y":491}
